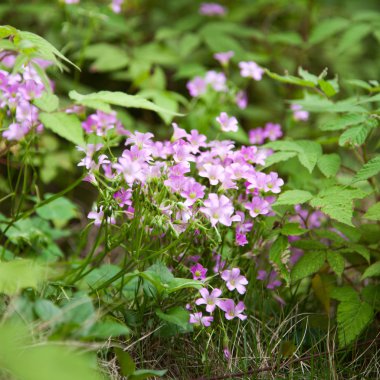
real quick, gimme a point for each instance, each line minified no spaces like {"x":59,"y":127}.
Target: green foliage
{"x":293,"y":197}
{"x":308,"y":264}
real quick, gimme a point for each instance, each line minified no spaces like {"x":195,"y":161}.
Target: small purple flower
{"x":232,"y":310}
{"x":272,"y":278}
{"x":272,"y":131}
{"x":15,"y":132}
{"x":210,"y":300}
{"x":123,"y":197}
{"x":198,"y":271}
{"x":197,"y":86}
{"x":241,"y":99}
{"x":251,"y":69}
{"x":224,"y":57}
{"x":273,"y":183}
{"x":234,"y":280}
{"x":299,"y":113}
{"x":228,"y":124}
{"x":192,"y":191}
{"x":258,"y":206}
{"x":216,"y":80}
{"x":116,"y":5}
{"x":212,"y":9}
{"x":199,"y":319}
{"x":215,"y":173}
{"x":257,"y":136}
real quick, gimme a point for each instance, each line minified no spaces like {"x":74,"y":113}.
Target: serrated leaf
{"x":368,"y":170}
{"x":64,"y":125}
{"x":279,"y":256}
{"x":329,"y":164}
{"x":336,"y":202}
{"x":327,"y":28}
{"x":355,"y":136}
{"x":278,"y":157}
{"x":336,"y":262}
{"x":352,"y":318}
{"x":293,"y":197}
{"x":308,"y":264}
{"x":118,"y":98}
{"x":344,"y":294}
{"x":47,"y":102}
{"x":371,"y":271}
{"x":327,"y":88}
{"x":344,"y":121}
{"x":373,"y":213}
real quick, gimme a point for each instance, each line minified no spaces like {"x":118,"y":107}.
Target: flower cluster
{"x":299,"y":113}
{"x":212,"y":9}
{"x":233,"y":281}
{"x":271,"y":132}
{"x":17,"y":94}
{"x":216,"y":80}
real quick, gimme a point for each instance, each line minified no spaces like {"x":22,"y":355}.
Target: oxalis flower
{"x":199,"y":319}
{"x":232,"y":310}
{"x":228,"y":124}
{"x":251,"y":69}
{"x":234,"y":280}
{"x":198,"y":271}
{"x":210,"y":300}
{"x":219,"y":210}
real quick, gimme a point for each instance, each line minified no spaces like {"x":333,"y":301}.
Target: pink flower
{"x":15,"y":132}
{"x":251,"y":69}
{"x":196,"y":141}
{"x":210,"y":300}
{"x":192,"y":191}
{"x":273,"y":183}
{"x":178,"y":132}
{"x":131,"y":170}
{"x":299,"y":113}
{"x":116,"y":5}
{"x":197,"y":86}
{"x":272,"y":131}
{"x":199,"y":319}
{"x":232,"y":311}
{"x":216,"y":80}
{"x":258,"y":206}
{"x":123,"y":197}
{"x":224,"y":57}
{"x":234,"y":280}
{"x":142,"y":140}
{"x":215,"y":173}
{"x":241,"y":99}
{"x":212,"y":9}
{"x":198,"y":271}
{"x":228,"y":124}
{"x":98,"y":217}
{"x":219,"y":210}
{"x":257,"y":136}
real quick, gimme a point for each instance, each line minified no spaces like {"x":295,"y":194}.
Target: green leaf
{"x":118,"y":99}
{"x":329,"y":164}
{"x":326,"y":29}
{"x":293,"y":197}
{"x":127,"y":364}
{"x":368,"y":170}
{"x":292,"y":229}
{"x":373,"y":213}
{"x":79,"y":310}
{"x":278,"y":157}
{"x":352,"y":317}
{"x":64,"y":125}
{"x":47,"y":102}
{"x":60,"y":211}
{"x":20,"y":274}
{"x":344,"y":121}
{"x":47,"y":311}
{"x":279,"y":256}
{"x":176,"y":315}
{"x":290,"y":79}
{"x":344,"y":294}
{"x":371,"y":271}
{"x":352,"y":36}
{"x":107,"y":329}
{"x":142,"y":374}
{"x":327,"y":88}
{"x":177,"y":284}
{"x":308,"y":264}
{"x":355,"y":136}
{"x":336,"y":262}
{"x":336,"y":201}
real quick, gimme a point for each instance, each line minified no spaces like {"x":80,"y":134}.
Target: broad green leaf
{"x":142,"y":374}
{"x":177,"y":284}
{"x":106,"y":329}
{"x":293,"y":197}
{"x":371,"y":271}
{"x":344,"y":294}
{"x":308,"y":264}
{"x":25,"y":359}
{"x":327,"y":88}
{"x":344,"y":121}
{"x":47,"y":310}
{"x":336,"y":201}
{"x":118,"y":99}
{"x":64,"y":125}
{"x":329,"y":164}
{"x":278,"y":157}
{"x":176,"y":315}
{"x":373,"y":213}
{"x":79,"y":310}
{"x":368,"y":170}
{"x":353,"y":36}
{"x":127,"y":364}
{"x":60,"y":211}
{"x":279,"y":256}
{"x":21,"y":274}
{"x":292,"y":229}
{"x":47,"y":102}
{"x":336,"y":262}
{"x":352,"y":317}
{"x":326,"y":28}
